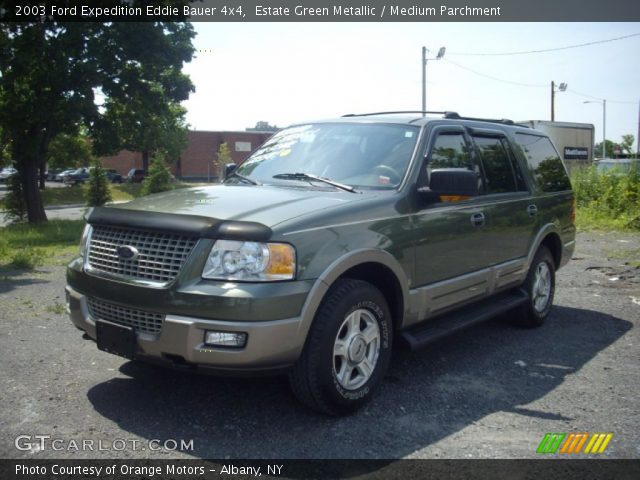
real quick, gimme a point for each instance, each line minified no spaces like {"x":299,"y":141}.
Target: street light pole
{"x":423,"y":61}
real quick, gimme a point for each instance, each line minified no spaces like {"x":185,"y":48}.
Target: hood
{"x":267,"y":205}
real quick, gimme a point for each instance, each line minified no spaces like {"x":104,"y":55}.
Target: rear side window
{"x":544,"y":162}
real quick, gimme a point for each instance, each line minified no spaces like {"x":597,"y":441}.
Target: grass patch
{"x":25,"y":246}
{"x":629,"y":256}
{"x":57,"y":308}
{"x":76,"y":194}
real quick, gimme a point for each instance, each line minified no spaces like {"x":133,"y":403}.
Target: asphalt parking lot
{"x":489,"y":392}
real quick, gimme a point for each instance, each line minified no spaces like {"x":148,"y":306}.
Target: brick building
{"x":196,"y":161}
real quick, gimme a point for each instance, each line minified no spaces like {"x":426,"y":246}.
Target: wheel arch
{"x":376,"y":267}
{"x":550,"y":238}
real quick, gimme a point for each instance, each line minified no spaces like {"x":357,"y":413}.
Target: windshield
{"x":369,"y":156}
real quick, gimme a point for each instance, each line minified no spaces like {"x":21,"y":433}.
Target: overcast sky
{"x":289,"y":72}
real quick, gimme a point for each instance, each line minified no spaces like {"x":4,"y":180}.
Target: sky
{"x":285,"y":73}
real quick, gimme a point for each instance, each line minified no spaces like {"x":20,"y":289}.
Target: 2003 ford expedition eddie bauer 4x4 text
{"x":330,"y":242}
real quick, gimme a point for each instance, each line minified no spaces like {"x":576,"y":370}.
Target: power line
{"x":495,"y":78}
{"x":586,"y":95}
{"x":533,"y":85}
{"x":526,"y":52}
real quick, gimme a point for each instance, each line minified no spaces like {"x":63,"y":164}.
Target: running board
{"x":439,"y":327}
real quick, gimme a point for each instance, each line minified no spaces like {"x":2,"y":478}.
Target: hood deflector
{"x":203,"y":227}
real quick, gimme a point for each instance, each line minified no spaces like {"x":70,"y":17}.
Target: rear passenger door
{"x":510,"y":213}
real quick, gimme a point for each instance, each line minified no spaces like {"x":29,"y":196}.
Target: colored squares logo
{"x":574,"y":443}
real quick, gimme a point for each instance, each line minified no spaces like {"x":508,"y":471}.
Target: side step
{"x":442,"y":326}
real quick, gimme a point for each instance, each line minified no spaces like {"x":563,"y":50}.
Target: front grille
{"x":138,"y":319}
{"x":161,"y":255}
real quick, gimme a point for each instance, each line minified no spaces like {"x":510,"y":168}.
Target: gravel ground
{"x":492,"y":391}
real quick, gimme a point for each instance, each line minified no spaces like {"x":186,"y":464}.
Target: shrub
{"x":98,"y":192}
{"x":14,"y":203}
{"x":27,"y":258}
{"x":159,"y":178}
{"x":608,"y":196}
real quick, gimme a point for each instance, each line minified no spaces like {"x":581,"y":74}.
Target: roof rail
{"x":454,"y":115}
{"x":445,"y":113}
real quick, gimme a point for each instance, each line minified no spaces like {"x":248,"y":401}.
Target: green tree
{"x":58,"y":76}
{"x":223,"y":157}
{"x":97,"y":193}
{"x":146,"y":125}
{"x":5,"y":150}
{"x":627,"y":143}
{"x":15,"y":207}
{"x":159,"y":178}
{"x":597,"y":151}
{"x":69,"y":151}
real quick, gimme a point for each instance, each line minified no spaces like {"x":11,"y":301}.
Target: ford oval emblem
{"x":127,"y":252}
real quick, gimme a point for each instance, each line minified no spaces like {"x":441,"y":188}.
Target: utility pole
{"x":553,"y":100}
{"x":561,"y":88}
{"x":423,"y":62}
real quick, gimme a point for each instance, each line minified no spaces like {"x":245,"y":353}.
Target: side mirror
{"x":454,"y":182}
{"x":229,"y":168}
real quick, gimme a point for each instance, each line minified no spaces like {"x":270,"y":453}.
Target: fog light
{"x":225,"y":339}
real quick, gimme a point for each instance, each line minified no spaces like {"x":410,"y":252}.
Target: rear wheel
{"x":540,"y":286}
{"x":348,"y":349}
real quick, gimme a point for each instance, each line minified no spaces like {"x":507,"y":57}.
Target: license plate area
{"x":117,"y":339}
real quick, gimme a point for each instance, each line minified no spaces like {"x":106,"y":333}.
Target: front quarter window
{"x":367,"y":156}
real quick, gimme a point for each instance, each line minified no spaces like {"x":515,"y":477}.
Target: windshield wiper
{"x":310,"y":176}
{"x":242,"y":177}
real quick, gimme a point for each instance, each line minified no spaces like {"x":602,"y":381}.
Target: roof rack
{"x":421,"y":112}
{"x":454,"y":115}
{"x":446,"y":114}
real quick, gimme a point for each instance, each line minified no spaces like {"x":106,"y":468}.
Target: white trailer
{"x":574,"y":141}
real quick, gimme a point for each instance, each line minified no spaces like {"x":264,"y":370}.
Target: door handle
{"x":532,"y":210}
{"x":477,"y":219}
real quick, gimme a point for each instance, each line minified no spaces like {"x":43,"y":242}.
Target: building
{"x":197,"y":160}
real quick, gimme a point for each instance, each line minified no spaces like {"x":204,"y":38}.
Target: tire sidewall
{"x":370,"y":299}
{"x":543,"y":256}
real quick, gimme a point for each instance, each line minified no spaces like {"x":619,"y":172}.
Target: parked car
{"x":7,"y":172}
{"x":113,"y":175}
{"x":78,"y":176}
{"x":136,"y":175}
{"x":53,"y":172}
{"x":60,"y":176}
{"x":617,"y":166}
{"x":329,"y":242}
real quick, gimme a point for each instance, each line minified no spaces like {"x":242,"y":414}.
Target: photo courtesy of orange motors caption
{"x":311,"y":239}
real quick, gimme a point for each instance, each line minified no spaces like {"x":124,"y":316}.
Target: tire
{"x":540,"y":287}
{"x":347,"y":351}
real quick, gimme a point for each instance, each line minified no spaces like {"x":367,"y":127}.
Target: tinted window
{"x":544,"y":162}
{"x":450,"y":151}
{"x":498,"y":171}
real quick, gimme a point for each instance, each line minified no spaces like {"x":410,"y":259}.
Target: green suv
{"x":332,"y":242}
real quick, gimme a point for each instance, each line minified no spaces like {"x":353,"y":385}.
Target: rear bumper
{"x":271,"y":345}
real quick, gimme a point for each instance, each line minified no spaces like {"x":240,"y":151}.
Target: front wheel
{"x":348,"y":349}
{"x":540,"y":286}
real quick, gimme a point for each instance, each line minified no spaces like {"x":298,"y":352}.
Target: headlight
{"x":250,"y":261}
{"x":84,"y":240}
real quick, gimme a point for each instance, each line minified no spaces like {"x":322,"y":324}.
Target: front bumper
{"x":272,"y":344}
